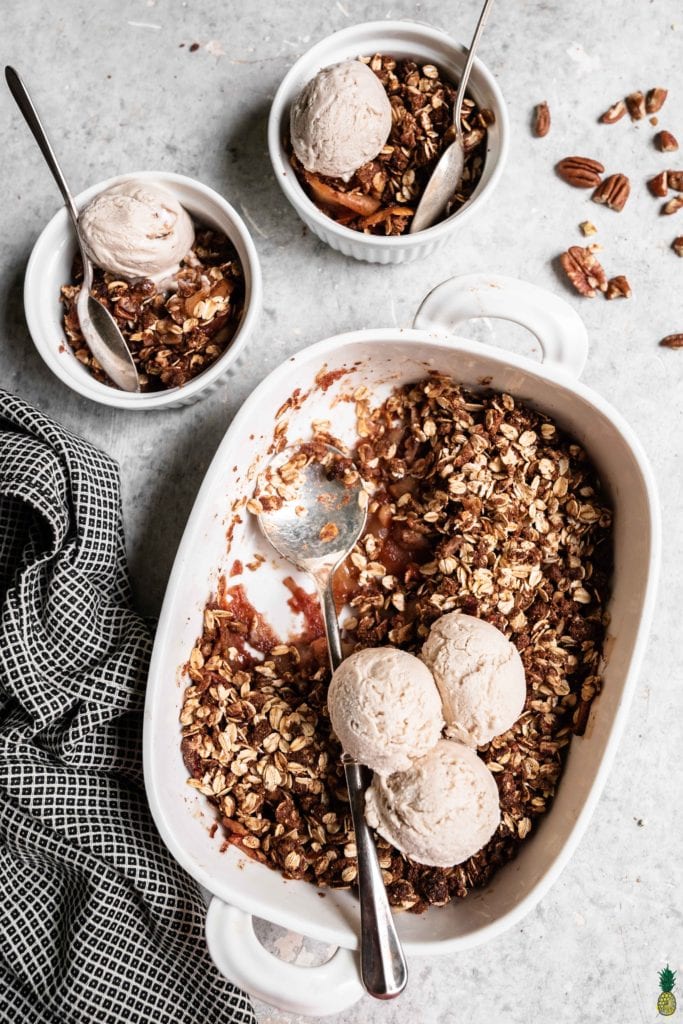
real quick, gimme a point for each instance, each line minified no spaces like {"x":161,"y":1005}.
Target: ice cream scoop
{"x":137,"y":230}
{"x":441,"y":810}
{"x":385,"y":708}
{"x":479,"y":674}
{"x":340,"y":120}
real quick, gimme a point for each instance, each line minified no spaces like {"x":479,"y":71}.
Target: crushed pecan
{"x":677,"y":245}
{"x":666,"y":142}
{"x":588,"y":228}
{"x":674,"y":180}
{"x":635,"y":102}
{"x":659,"y":185}
{"x":672,"y":341}
{"x":584,"y":270}
{"x":618,"y":288}
{"x":580,"y":171}
{"x":381,"y":197}
{"x":541,"y":123}
{"x":613,"y":192}
{"x":673,"y":206}
{"x":614,"y":114}
{"x":655,"y":99}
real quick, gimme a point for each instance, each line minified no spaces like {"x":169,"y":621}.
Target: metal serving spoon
{"x":333,"y":506}
{"x":448,"y":171}
{"x":100,"y":330}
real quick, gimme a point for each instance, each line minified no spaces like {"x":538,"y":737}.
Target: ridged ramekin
{"x":49,"y":267}
{"x":426,"y":45}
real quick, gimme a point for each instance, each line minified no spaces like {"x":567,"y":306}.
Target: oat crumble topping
{"x":478,"y":503}
{"x":173,"y":335}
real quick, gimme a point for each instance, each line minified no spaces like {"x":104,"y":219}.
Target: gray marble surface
{"x":121,"y":94}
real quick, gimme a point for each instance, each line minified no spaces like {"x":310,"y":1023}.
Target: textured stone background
{"x":120,"y":94}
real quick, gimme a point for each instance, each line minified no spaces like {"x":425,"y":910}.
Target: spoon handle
{"x":25,"y":104}
{"x":465,"y":77}
{"x":383,"y":968}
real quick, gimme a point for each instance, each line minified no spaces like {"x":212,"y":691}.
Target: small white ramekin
{"x":408,"y":39}
{"x":49,"y":267}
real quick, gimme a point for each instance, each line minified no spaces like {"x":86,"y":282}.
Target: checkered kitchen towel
{"x":98,"y":924}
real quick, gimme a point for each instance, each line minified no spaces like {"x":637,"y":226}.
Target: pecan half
{"x":677,"y":245}
{"x":614,"y":114}
{"x":666,"y":142}
{"x":673,"y":206}
{"x":618,"y":288}
{"x":580,"y":171}
{"x":655,"y":99}
{"x":675,"y":180}
{"x":635,"y":102}
{"x":541,"y":120}
{"x":659,"y":185}
{"x":613,"y":192}
{"x":583,"y":270}
{"x":672,"y":341}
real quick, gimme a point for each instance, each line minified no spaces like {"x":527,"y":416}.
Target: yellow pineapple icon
{"x":666,"y":1004}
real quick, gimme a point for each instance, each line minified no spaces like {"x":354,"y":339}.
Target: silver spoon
{"x":334,"y":509}
{"x":100,"y":330}
{"x":447,"y":174}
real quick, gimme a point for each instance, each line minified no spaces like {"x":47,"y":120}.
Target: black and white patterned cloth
{"x":98,"y":924}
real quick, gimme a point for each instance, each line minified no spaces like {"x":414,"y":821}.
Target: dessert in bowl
{"x":373,"y":366}
{"x":365,"y":215}
{"x":176,"y":266}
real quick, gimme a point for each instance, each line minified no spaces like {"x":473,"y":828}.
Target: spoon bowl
{"x":318,"y":539}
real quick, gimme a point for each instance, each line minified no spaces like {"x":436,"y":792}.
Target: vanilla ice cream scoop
{"x":385,"y":708}
{"x":340,"y":120}
{"x":479,"y":674}
{"x":440,"y":811}
{"x":136,"y":230}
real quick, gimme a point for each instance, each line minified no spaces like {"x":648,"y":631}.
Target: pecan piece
{"x":635,"y":102}
{"x":659,"y":185}
{"x":666,"y":142}
{"x":580,"y":171}
{"x":613,"y":192}
{"x":541,"y":120}
{"x":675,"y":180}
{"x":618,"y":288}
{"x":583,"y":270}
{"x":588,"y":228}
{"x":677,"y":245}
{"x":655,"y":99}
{"x":672,"y":341}
{"x":614,"y":114}
{"x":673,"y":206}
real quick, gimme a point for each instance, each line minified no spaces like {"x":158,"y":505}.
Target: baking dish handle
{"x":237,"y":953}
{"x":559,"y":330}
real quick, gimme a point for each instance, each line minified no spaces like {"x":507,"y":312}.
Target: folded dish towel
{"x":97,"y":921}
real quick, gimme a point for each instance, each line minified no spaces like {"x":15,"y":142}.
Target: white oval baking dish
{"x":382,"y":359}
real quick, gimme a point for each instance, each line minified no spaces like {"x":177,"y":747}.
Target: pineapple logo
{"x":666,"y":1004}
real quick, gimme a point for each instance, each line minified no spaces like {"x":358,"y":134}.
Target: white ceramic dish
{"x":382,"y":359}
{"x":399,"y":39}
{"x":49,"y":267}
